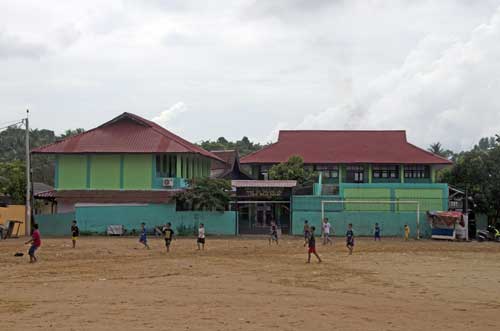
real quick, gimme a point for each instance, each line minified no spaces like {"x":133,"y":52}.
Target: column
{"x":178,"y":166}
{"x":402,"y":173}
{"x":370,"y":173}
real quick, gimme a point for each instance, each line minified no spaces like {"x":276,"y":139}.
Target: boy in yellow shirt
{"x":407,"y":232}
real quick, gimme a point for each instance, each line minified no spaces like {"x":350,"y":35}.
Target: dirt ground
{"x":243,"y":284}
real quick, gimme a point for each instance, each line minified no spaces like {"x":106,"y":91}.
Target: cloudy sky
{"x":209,"y":68}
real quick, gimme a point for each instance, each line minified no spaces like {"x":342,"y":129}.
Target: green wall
{"x":367,"y":193}
{"x":71,"y":172}
{"x":123,"y":171}
{"x":137,"y":171}
{"x":56,"y":224}
{"x":105,"y":172}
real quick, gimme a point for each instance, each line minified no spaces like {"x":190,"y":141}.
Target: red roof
{"x":127,"y":133}
{"x":316,"y":147}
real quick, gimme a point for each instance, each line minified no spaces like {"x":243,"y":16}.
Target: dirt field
{"x":243,"y":284}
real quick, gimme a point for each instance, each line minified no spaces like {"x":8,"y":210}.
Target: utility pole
{"x":27,"y":222}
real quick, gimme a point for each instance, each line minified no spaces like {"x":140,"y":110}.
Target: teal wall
{"x":97,"y":218}
{"x":55,"y":225}
{"x":391,"y":217}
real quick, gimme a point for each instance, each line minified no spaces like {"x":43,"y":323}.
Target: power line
{"x":11,"y":125}
{"x":8,"y":123}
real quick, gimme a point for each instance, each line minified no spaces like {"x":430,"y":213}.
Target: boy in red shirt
{"x":35,"y":242}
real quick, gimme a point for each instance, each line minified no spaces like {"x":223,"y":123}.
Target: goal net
{"x":365,"y":213}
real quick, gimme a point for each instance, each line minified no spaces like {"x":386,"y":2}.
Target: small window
{"x":385,"y":171}
{"x":328,"y":171}
{"x":417,"y":171}
{"x":355,"y":174}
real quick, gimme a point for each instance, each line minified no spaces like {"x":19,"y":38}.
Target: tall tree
{"x":438,"y":149}
{"x":206,"y":194}
{"x":13,"y":180}
{"x":293,"y":169}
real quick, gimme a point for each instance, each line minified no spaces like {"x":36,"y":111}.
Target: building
{"x":228,"y":167}
{"x":125,"y":171}
{"x":357,"y":165}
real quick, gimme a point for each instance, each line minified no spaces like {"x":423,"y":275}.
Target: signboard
{"x":263,"y":193}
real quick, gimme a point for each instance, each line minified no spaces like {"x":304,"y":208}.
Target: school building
{"x":386,"y":176}
{"x":129,"y":169}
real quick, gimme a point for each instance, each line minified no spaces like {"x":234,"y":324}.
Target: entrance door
{"x":256,"y":218}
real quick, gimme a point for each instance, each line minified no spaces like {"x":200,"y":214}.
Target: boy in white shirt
{"x":201,"y":237}
{"x":326,"y":227}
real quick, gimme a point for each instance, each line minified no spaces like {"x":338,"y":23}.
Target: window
{"x":166,"y":165}
{"x":355,"y":174}
{"x":264,"y":172}
{"x":417,"y":171}
{"x":386,"y":171}
{"x":328,"y":171}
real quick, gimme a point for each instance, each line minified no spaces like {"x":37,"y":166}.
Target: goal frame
{"x":406,"y":202}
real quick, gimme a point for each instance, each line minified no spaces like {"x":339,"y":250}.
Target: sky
{"x":205,"y":69}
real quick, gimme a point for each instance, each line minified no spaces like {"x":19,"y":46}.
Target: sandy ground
{"x":243,"y":284}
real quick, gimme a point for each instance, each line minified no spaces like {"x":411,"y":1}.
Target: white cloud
{"x":446,"y":90}
{"x":167,"y":116}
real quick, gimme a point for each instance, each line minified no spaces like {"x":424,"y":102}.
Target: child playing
{"x":349,"y":236}
{"x":326,"y":232}
{"x":407,"y":232}
{"x":376,"y":232}
{"x":312,"y":246}
{"x":274,"y":233}
{"x":307,"y":232}
{"x":143,"y":239}
{"x":201,"y":237}
{"x":35,"y":242}
{"x":75,"y":233}
{"x":168,"y":234}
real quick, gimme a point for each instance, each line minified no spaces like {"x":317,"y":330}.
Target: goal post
{"x":394,"y":202}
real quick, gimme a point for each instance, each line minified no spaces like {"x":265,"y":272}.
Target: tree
{"x":70,"y":132}
{"x":437,"y":148}
{"x":13,"y":181}
{"x":206,"y":194}
{"x":243,"y":146}
{"x":293,"y":169}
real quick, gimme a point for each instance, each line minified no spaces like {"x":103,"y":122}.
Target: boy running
{"x":326,"y":232}
{"x":376,"y":232}
{"x":75,"y":233}
{"x":201,"y":237}
{"x":349,"y":236}
{"x":168,"y":234}
{"x":274,"y":233}
{"x":35,"y":242}
{"x":307,"y":232}
{"x":143,"y":239}
{"x":312,"y":246}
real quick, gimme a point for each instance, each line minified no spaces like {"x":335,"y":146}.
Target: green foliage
{"x":13,"y":148}
{"x":293,"y":169}
{"x":438,"y":149}
{"x":206,"y":194}
{"x":13,"y":181}
{"x":478,"y":170}
{"x":243,"y":146}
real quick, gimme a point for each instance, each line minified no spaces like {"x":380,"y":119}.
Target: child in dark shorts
{"x":201,"y":237}
{"x":312,"y":246}
{"x":274,"y":233}
{"x":349,"y":236}
{"x":143,"y":239}
{"x":168,"y":234}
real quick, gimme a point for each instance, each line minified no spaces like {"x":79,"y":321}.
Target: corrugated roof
{"x":263,"y":183}
{"x":127,"y":133}
{"x":317,"y":147}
